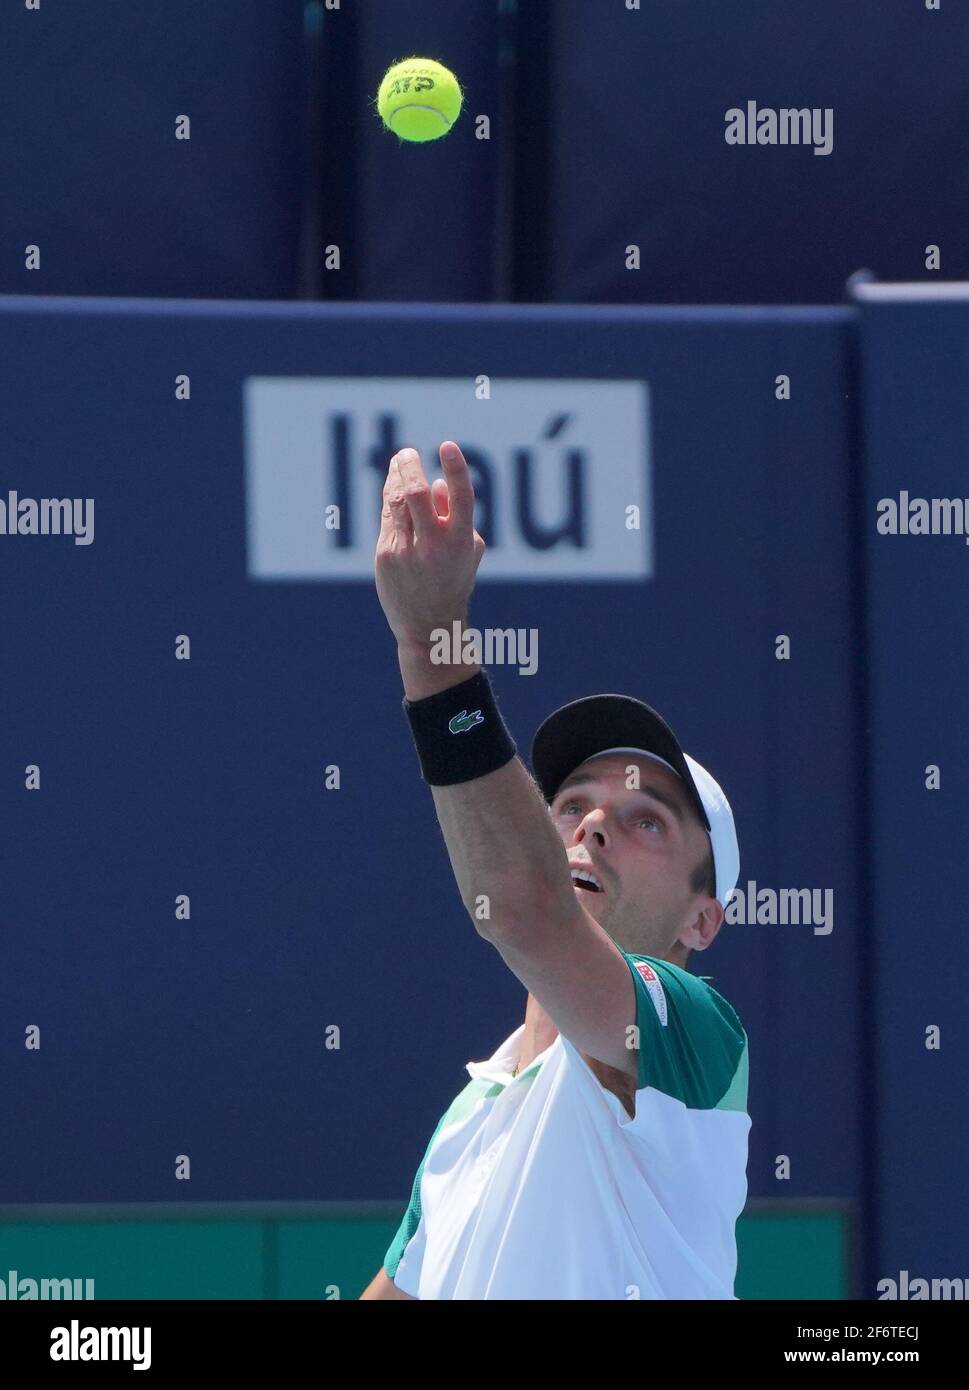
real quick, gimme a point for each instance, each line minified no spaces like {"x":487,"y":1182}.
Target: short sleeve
{"x":691,"y":1043}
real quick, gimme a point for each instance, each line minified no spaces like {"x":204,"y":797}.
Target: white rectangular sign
{"x":561,"y":472}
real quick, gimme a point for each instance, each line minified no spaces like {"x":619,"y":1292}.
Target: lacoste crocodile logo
{"x":464,"y":721}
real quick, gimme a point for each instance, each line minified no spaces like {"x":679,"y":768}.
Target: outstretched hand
{"x":428,"y":551}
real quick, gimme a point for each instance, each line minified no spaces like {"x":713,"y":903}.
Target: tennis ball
{"x":419,"y":99}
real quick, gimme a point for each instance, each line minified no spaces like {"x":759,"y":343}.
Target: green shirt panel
{"x":699,"y":1056}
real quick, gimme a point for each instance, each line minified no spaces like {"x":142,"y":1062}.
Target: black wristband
{"x":459,"y":733}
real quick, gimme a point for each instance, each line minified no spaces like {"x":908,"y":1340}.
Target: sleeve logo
{"x":656,"y":991}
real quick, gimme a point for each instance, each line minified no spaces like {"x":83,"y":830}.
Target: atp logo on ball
{"x":419,"y":99}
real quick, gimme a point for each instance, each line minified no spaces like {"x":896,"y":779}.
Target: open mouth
{"x":581,"y":878}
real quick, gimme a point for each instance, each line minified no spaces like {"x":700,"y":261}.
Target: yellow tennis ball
{"x":419,"y":99}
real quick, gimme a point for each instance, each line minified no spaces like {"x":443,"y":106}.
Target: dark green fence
{"x":331,"y":1250}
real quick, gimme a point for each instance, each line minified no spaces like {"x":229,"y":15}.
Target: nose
{"x":593,"y":825}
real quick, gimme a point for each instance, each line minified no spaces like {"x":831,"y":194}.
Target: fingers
{"x":417,"y":493}
{"x":460,"y":488}
{"x":439,"y":496}
{"x":412,"y":508}
{"x":394,"y":516}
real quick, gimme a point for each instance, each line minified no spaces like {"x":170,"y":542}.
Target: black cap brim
{"x":597,"y":722}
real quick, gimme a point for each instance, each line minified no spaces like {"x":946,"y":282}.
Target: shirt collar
{"x":499,"y":1065}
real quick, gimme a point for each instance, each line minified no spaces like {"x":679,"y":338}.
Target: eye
{"x":567,"y":806}
{"x":653,"y":821}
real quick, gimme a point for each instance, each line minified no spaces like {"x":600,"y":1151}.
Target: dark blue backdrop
{"x":312,"y":907}
{"x":606,"y":130}
{"x":315,"y":907}
{"x":916,"y":362}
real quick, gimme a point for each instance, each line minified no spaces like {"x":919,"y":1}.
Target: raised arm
{"x":509,"y":862}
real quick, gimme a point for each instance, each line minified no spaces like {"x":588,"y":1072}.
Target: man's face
{"x":643,"y":845}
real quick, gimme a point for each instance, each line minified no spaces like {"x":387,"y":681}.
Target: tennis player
{"x":601,"y":1152}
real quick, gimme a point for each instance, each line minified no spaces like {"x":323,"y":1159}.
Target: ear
{"x":705,"y":925}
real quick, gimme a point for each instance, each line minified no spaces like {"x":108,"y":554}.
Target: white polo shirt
{"x":542,"y":1186}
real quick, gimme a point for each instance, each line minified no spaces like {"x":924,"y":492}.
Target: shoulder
{"x":692,"y":1043}
{"x":689,"y":991}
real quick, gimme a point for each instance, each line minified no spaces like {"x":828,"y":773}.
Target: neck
{"x":540,"y":1032}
